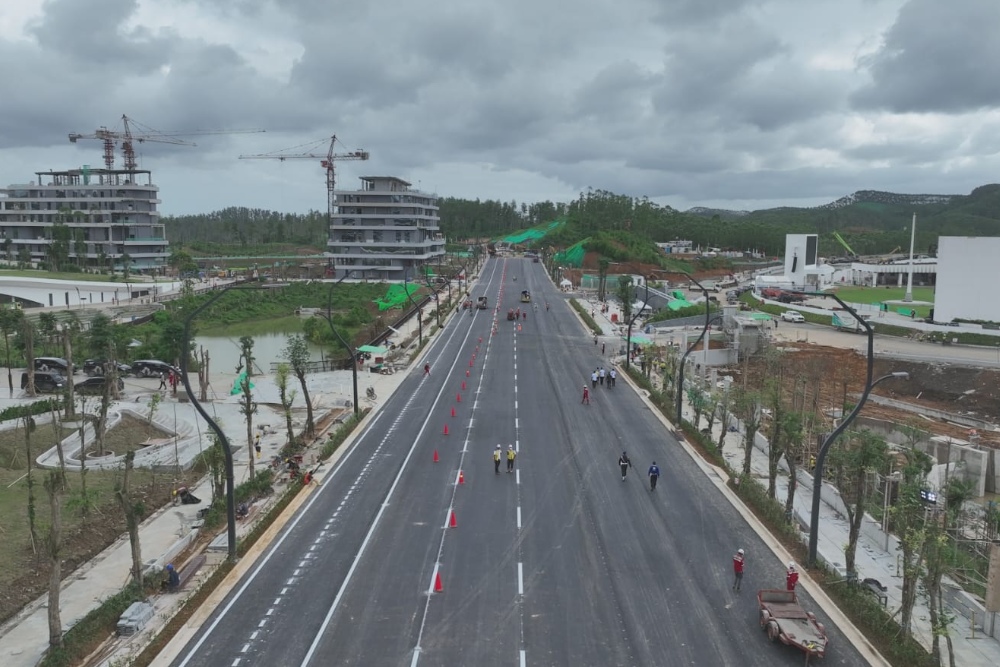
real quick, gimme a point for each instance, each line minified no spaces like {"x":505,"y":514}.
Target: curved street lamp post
{"x":347,"y":346}
{"x":223,"y":440}
{"x":704,"y":332}
{"x":830,"y":439}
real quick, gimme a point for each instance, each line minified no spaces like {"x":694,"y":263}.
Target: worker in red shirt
{"x":738,"y":570}
{"x":792,"y":578}
{"x":586,"y":395}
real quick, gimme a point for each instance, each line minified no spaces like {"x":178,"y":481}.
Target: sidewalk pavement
{"x":971,"y":647}
{"x":164,"y":535}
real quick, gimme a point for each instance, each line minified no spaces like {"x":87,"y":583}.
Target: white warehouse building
{"x":966,"y":272}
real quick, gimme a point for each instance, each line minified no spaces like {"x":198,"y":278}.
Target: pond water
{"x":224,"y":349}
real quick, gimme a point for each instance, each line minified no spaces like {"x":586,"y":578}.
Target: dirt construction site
{"x":837,"y":375}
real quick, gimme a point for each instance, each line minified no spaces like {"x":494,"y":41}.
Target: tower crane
{"x":129,"y":137}
{"x":306,"y":152}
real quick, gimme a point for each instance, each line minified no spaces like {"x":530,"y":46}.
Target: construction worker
{"x":586,"y":395}
{"x":792,"y":577}
{"x":738,"y":570}
{"x":601,"y":375}
{"x":593,"y":379}
{"x":496,"y":460}
{"x":654,"y":474}
{"x":511,"y":455}
{"x":256,"y":445}
{"x":612,"y":376}
{"x":427,"y":369}
{"x":624,"y":463}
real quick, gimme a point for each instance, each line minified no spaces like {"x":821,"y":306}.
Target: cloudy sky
{"x":726,"y":103}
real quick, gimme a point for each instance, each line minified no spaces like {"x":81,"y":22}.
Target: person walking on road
{"x":601,"y":375}
{"x":496,"y":460}
{"x":612,"y":376}
{"x":792,"y":577}
{"x":163,"y":381}
{"x":654,"y":474}
{"x":624,"y":463}
{"x":593,"y":379}
{"x":511,"y":455}
{"x":602,"y":348}
{"x":427,"y":369}
{"x":738,"y":570}
{"x":586,"y":395}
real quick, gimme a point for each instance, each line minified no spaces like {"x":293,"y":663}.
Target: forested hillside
{"x":870,"y":221}
{"x":241,"y":227}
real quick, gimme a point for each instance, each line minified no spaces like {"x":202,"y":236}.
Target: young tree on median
{"x":133,"y":511}
{"x":287,"y":397}
{"x":297,"y":353}
{"x":55,"y":487}
{"x":851,"y":460}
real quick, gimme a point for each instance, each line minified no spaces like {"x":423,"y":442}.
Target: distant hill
{"x":724,"y":214}
{"x":889,"y":198}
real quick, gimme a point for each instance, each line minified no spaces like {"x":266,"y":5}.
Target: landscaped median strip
{"x":164,"y":646}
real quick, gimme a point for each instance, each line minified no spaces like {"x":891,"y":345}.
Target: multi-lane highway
{"x":558,"y":563}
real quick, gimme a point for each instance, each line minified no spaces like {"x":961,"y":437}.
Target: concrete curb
{"x":720,"y":478}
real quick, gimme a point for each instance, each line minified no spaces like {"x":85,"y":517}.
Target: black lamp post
{"x":347,"y":346}
{"x":223,"y":440}
{"x":825,"y":447}
{"x":420,"y":319}
{"x":679,"y":389}
{"x":631,"y":321}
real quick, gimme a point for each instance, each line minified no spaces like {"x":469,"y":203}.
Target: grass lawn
{"x":870,"y":295}
{"x":85,"y":533}
{"x":291,"y":324}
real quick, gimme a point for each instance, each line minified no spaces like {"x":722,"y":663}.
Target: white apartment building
{"x":96,"y":217}
{"x":385,"y":230}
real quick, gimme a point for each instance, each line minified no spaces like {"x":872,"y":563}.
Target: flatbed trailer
{"x":784,"y":620}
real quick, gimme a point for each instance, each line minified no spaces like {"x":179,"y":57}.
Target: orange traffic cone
{"x":480,"y":339}
{"x":458,"y":398}
{"x":453,"y":412}
{"x":470,"y":363}
{"x":435,"y":456}
{"x":461,"y":477}
{"x":463,"y":385}
{"x":438,"y":586}
{"x":453,"y":522}
{"x":466,"y":373}
{"x":446,"y":429}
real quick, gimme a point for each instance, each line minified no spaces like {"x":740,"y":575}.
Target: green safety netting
{"x":238,"y":385}
{"x":571,"y":256}
{"x":532,"y":234}
{"x":677,"y":304}
{"x":396,"y":296}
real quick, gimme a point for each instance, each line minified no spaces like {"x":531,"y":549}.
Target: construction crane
{"x":327,"y":161}
{"x":140,"y":134}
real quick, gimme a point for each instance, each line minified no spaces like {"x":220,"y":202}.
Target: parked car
{"x":51,"y":364}
{"x":94,"y":367}
{"x":45,"y":381}
{"x":151,"y":368}
{"x":95,"y":385}
{"x":792,"y":316}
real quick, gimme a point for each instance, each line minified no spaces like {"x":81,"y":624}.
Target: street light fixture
{"x":628,"y":333}
{"x":679,"y":389}
{"x":420,"y":319}
{"x":347,"y":346}
{"x":223,"y":440}
{"x":825,"y":447}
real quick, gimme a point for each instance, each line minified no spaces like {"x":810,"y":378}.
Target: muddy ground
{"x":835,"y":373}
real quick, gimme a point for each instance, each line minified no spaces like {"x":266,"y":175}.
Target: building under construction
{"x":91,"y":218}
{"x":385,"y":230}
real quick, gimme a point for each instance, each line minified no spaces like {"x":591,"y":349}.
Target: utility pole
{"x":909,"y":273}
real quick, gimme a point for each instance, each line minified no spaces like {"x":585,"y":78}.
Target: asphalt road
{"x":558,"y":563}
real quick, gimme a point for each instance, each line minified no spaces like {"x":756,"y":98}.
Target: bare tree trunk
{"x":203,"y":375}
{"x":70,"y":408}
{"x":854,"y":519}
{"x":310,"y":426}
{"x":29,"y":424}
{"x":29,"y":355}
{"x":131,"y":518}
{"x":55,"y":485}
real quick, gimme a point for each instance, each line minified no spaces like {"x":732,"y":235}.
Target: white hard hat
{"x":498,"y":446}
{"x":791,"y":565}
{"x":739,"y":551}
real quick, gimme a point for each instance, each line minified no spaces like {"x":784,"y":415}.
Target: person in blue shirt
{"x":654,"y":474}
